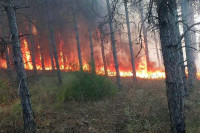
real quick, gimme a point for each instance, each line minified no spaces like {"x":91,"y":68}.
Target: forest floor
{"x":138,"y":108}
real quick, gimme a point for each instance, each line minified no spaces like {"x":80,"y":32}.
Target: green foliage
{"x":83,"y":86}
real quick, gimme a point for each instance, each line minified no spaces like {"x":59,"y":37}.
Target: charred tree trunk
{"x":9,"y":71}
{"x":145,"y":35}
{"x":91,"y":49}
{"x":103,"y":51}
{"x":32,"y":47}
{"x":170,"y":41}
{"x":188,"y":44}
{"x":130,"y":41}
{"x":29,"y":122}
{"x":113,"y":45}
{"x":42,"y":57}
{"x":53,"y":42}
{"x":78,"y":42}
{"x":64,"y":59}
{"x":51,"y":55}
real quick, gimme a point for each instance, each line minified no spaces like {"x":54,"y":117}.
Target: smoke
{"x":89,"y":13}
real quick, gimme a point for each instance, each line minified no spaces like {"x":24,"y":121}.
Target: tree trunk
{"x":29,"y":123}
{"x":145,"y":35}
{"x":32,"y":47}
{"x":103,"y":51}
{"x":91,"y":49}
{"x":42,"y":57}
{"x":193,"y":34}
{"x":53,"y":42}
{"x":188,"y":44}
{"x":78,"y":41}
{"x":51,"y":55}
{"x":113,"y":45}
{"x":130,"y":42}
{"x":157,"y":49}
{"x":9,"y":71}
{"x":170,"y":42}
{"x":64,"y":59}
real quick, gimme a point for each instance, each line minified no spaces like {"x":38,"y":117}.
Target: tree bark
{"x":145,"y":35}
{"x":53,"y":43}
{"x":103,"y":51}
{"x":130,"y":42}
{"x":29,"y":122}
{"x":188,"y":44}
{"x":32,"y":46}
{"x":42,"y":57}
{"x":78,"y":41}
{"x":184,"y":76}
{"x":113,"y":45}
{"x":170,"y":41}
{"x":91,"y":49}
{"x":9,"y":71}
{"x":51,"y":55}
{"x":193,"y":34}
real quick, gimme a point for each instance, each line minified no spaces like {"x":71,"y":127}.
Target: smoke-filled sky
{"x":88,"y":13}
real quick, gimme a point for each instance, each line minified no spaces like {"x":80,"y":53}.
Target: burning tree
{"x":130,"y":40}
{"x":144,"y":29}
{"x":110,"y":20}
{"x":53,"y":42}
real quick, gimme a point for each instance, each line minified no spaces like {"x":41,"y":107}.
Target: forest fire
{"x":142,"y":71}
{"x":26,"y":56}
{"x":52,"y":40}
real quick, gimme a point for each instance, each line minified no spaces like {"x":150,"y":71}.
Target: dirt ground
{"x":140,"y":108}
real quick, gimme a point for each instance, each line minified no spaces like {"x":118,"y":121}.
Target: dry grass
{"x":137,"y":108}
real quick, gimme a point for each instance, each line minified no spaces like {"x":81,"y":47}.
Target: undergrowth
{"x":139,"y":108}
{"x":83,"y":86}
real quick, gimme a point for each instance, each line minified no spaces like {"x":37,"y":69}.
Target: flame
{"x":39,"y":67}
{"x":3,"y":63}
{"x":26,"y":55}
{"x":141,"y":71}
{"x":34,"y":30}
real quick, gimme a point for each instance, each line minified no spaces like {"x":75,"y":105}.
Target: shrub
{"x":83,"y":86}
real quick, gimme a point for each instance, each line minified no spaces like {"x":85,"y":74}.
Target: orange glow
{"x":3,"y":63}
{"x":34,"y":30}
{"x":26,"y":55}
{"x":141,"y":72}
{"x":66,"y":65}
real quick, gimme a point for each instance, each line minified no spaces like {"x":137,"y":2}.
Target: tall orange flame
{"x":141,"y":71}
